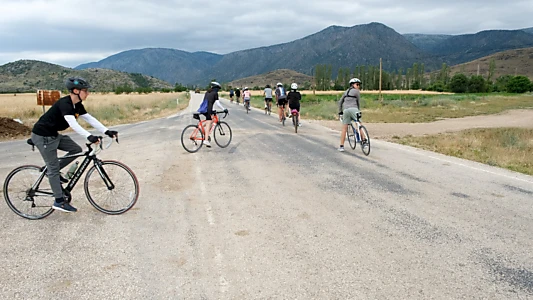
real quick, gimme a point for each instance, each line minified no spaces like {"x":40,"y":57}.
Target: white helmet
{"x":279,"y":84}
{"x":245,"y":88}
{"x":355,"y":80}
{"x":294,"y":86}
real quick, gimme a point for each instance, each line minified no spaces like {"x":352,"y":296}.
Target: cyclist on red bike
{"x":294,"y":98}
{"x":349,"y":107}
{"x":246,"y":96}
{"x":211,"y":96}
{"x":48,"y":140}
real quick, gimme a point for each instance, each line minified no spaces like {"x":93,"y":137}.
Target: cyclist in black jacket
{"x":46,"y":137}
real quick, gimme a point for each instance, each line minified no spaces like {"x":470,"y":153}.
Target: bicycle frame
{"x":201,"y":124}
{"x":90,"y":155}
{"x":357,"y":130}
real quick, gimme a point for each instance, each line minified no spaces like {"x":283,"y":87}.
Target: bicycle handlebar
{"x":101,"y":144}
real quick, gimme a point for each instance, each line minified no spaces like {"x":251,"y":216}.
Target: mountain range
{"x":336,"y":46}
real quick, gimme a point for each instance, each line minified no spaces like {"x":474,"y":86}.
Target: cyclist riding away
{"x":267,"y":92}
{"x":246,"y":95}
{"x":237,"y":95}
{"x":294,"y":98}
{"x":349,"y":108}
{"x":211,"y":96}
{"x":231,"y":93}
{"x":45,"y":135}
{"x":281,"y":99}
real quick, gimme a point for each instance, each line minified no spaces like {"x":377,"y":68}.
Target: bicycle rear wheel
{"x":350,"y":134}
{"x":365,"y":144}
{"x":295,"y":123}
{"x":192,"y":138}
{"x":22,"y":199}
{"x":222,"y":134}
{"x":113,"y":189}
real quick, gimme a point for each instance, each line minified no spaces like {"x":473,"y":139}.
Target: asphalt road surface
{"x":277,"y":215}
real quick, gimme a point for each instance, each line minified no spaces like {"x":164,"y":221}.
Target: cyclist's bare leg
{"x":362,"y":134}
{"x":343,"y":133}
{"x":280,"y":112}
{"x":207,"y":128}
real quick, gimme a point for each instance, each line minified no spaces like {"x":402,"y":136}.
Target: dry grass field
{"x":110,"y":109}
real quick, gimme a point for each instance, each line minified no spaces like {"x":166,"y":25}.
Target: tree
{"x":492,"y":67}
{"x":477,"y":84}
{"x":519,"y":84}
{"x":459,"y":83}
{"x":501,"y":83}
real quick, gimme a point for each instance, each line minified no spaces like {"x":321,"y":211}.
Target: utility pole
{"x":380,"y":73}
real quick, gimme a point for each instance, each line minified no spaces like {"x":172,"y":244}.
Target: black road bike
{"x":110,"y":186}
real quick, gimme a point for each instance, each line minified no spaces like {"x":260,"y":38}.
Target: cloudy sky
{"x":71,"y":32}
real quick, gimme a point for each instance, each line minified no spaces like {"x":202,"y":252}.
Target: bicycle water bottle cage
{"x":30,"y":142}
{"x":196,"y":116}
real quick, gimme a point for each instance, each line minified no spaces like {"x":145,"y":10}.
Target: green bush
{"x":459,"y":83}
{"x":519,"y":84}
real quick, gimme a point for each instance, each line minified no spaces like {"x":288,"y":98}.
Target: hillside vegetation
{"x":29,"y":76}
{"x":284,"y":76}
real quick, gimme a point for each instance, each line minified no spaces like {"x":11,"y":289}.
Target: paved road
{"x":278,"y":215}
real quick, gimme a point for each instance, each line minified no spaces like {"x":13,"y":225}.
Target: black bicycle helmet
{"x":215,"y":84}
{"x":77,"y":83}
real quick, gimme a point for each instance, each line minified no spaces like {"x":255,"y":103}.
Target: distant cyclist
{"x":246,"y":96}
{"x":267,"y":92}
{"x":349,"y":108}
{"x":212,"y":98}
{"x":294,"y":98}
{"x":281,"y":99}
{"x":46,"y":137}
{"x":231,"y":93}
{"x":237,"y":95}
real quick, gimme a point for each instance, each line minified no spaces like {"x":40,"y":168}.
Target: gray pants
{"x":48,"y":146}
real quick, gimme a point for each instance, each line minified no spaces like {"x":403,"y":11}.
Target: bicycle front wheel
{"x":113,"y":189}
{"x":350,"y":134}
{"x":20,"y":196}
{"x":365,"y":141}
{"x":192,"y":138}
{"x":222,"y":134}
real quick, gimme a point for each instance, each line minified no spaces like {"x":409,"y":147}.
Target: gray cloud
{"x":74,"y":32}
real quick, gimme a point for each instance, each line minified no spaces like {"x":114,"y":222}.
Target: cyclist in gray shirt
{"x":268,"y":97}
{"x":349,"y":107}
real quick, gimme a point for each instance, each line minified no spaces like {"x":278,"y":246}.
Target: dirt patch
{"x":511,"y":118}
{"x":11,"y":129}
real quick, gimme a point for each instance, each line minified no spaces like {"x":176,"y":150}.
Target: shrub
{"x":519,"y":84}
{"x":459,"y":83}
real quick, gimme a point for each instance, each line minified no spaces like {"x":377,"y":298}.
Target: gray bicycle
{"x":357,"y":134}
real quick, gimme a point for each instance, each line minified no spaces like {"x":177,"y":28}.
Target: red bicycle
{"x":193,"y":136}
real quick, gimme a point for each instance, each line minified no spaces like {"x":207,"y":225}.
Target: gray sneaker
{"x":64,"y":206}
{"x":341,"y":149}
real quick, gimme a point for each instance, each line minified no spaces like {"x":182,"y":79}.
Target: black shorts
{"x":297,"y":107}
{"x":207,"y":116}
{"x":268,"y":99}
{"x":282,"y":102}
